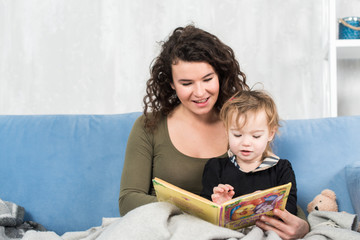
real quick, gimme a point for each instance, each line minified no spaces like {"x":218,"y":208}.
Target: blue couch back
{"x":319,"y":150}
{"x":65,"y":170}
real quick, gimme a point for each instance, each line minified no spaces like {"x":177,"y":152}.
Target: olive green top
{"x":150,"y":155}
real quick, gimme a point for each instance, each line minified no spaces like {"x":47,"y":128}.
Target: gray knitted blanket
{"x":333,"y":225}
{"x":162,"y":221}
{"x":156,"y":221}
{"x":12,"y":225}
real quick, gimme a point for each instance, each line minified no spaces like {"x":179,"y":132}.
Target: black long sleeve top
{"x":223,"y":170}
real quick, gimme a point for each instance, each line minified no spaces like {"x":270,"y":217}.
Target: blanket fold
{"x":163,"y":220}
{"x":12,"y":225}
{"x":333,"y":225}
{"x":11,"y":214}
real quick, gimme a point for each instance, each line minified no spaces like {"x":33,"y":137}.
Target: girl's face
{"x":249,"y":142}
{"x":196,"y":85}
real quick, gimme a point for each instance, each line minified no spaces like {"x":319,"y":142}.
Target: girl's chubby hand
{"x":222,"y":193}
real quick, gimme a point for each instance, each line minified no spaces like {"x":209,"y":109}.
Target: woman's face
{"x":196,"y":85}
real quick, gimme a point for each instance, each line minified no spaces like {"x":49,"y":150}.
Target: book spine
{"x":221,"y":217}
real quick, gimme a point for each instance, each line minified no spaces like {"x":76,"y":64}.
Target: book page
{"x":187,"y":201}
{"x":243,"y":211}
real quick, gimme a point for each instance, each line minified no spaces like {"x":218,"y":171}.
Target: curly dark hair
{"x":189,"y":44}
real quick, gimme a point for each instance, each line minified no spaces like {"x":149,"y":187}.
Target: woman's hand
{"x":222,"y":193}
{"x":291,"y":226}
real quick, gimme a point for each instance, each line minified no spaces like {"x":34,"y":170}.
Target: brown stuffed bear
{"x":325,"y":201}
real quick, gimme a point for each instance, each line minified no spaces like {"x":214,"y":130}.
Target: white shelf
{"x":348,"y":48}
{"x":338,"y":49}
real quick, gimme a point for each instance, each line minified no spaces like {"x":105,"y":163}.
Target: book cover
{"x":236,"y":213}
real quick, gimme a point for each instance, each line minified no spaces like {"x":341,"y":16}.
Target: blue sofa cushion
{"x":65,"y":170}
{"x":353,"y":184}
{"x":319,"y":150}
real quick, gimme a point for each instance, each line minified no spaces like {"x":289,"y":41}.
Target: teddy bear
{"x":325,"y":201}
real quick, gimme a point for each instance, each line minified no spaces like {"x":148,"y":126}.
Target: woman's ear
{"x":172,"y":86}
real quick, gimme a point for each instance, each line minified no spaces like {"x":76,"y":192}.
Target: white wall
{"x":93,"y":57}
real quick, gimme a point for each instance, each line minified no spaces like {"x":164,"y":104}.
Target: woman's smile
{"x":202,"y":101}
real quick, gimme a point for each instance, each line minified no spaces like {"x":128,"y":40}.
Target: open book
{"x":236,"y":213}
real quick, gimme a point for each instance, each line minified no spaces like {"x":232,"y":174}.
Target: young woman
{"x":194,"y":75}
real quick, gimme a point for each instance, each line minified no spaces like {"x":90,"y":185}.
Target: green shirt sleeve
{"x":137,"y":170}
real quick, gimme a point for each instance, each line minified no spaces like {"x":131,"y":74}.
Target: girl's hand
{"x":291,"y":226}
{"x":222,"y":193}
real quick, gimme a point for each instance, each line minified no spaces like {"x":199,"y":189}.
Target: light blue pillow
{"x":352,"y":172}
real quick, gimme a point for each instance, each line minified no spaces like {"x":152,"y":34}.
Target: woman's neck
{"x":197,"y":135}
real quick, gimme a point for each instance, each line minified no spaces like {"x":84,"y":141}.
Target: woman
{"x":180,"y":129}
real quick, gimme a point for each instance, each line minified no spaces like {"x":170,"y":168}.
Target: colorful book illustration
{"x":236,"y":213}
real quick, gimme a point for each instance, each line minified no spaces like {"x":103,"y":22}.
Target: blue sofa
{"x":65,"y":170}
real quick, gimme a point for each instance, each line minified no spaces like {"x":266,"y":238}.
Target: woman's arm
{"x":137,"y":171}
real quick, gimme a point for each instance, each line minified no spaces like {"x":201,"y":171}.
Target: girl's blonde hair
{"x":251,"y":101}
